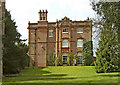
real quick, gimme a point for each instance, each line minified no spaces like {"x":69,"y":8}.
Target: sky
{"x":27,"y":10}
{"x":23,"y":11}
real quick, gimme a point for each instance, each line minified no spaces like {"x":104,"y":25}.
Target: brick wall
{"x":45,"y":46}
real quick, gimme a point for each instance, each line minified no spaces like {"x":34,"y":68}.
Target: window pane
{"x":79,"y":58}
{"x":65,"y":58}
{"x":79,"y":54}
{"x":80,"y":30}
{"x":65,"y":54}
{"x":79,"y":43}
{"x":50,"y":33}
{"x":65,"y":43}
{"x":65,"y":30}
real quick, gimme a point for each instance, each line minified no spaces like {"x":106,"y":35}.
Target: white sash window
{"x":80,"y":30}
{"x":50,"y":33}
{"x":79,"y":43}
{"x":65,"y":43}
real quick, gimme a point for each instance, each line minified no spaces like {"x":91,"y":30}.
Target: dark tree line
{"x":14,"y":51}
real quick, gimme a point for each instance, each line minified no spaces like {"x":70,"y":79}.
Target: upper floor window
{"x":65,"y":43}
{"x":80,"y":30}
{"x":79,"y":43}
{"x":65,"y":30}
{"x":50,"y":33}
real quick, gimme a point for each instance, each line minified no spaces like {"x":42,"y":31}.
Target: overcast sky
{"x":27,"y":10}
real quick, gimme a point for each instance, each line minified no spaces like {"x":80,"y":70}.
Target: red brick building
{"x":62,"y":37}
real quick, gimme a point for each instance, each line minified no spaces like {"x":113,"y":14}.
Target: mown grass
{"x":61,"y":75}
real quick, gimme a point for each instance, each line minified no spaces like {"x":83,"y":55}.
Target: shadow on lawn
{"x":35,"y":74}
{"x":32,"y":71}
{"x":41,"y":74}
{"x":115,"y":75}
{"x":62,"y":84}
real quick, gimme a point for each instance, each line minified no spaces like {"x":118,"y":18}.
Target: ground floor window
{"x":79,"y":58}
{"x":65,"y":58}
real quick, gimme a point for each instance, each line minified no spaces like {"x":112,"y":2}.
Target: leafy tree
{"x":22,"y":53}
{"x":108,"y":16}
{"x":87,"y":53}
{"x":14,"y":51}
{"x":107,"y":54}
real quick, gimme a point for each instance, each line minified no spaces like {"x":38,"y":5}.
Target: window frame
{"x":51,"y":33}
{"x":79,"y":55}
{"x":63,"y":29}
{"x":64,"y":56}
{"x":79,"y":31}
{"x":79,"y":40}
{"x":63,"y":43}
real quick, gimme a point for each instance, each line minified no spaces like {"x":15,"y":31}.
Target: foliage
{"x":93,"y":63}
{"x":51,"y":62}
{"x":70,"y":58}
{"x":108,"y":53}
{"x":87,"y":53}
{"x":58,"y":60}
{"x":14,"y":51}
{"x":24,"y":58}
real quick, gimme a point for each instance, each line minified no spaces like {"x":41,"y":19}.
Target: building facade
{"x":62,"y":37}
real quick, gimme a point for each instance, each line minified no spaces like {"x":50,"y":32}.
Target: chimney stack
{"x":43,"y":15}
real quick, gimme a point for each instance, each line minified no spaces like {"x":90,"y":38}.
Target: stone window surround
{"x":65,"y":43}
{"x":65,"y":30}
{"x":50,"y":33}
{"x":80,"y":43}
{"x":80,"y":31}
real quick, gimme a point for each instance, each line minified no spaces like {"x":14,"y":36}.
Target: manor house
{"x":62,"y":37}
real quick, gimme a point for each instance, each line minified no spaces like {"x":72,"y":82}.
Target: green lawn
{"x":61,"y":75}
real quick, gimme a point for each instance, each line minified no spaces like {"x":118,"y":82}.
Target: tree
{"x":107,"y":54}
{"x":87,"y":53}
{"x":58,"y":60}
{"x":22,"y":50}
{"x":108,"y":21}
{"x":14,"y":51}
{"x":70,"y":58}
{"x":51,"y":62}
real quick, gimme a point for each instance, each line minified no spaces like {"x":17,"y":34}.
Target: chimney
{"x":43,"y":15}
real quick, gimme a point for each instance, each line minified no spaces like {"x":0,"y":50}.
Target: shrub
{"x":70,"y":59}
{"x":58,"y":60}
{"x":51,"y":62}
{"x":87,"y":53}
